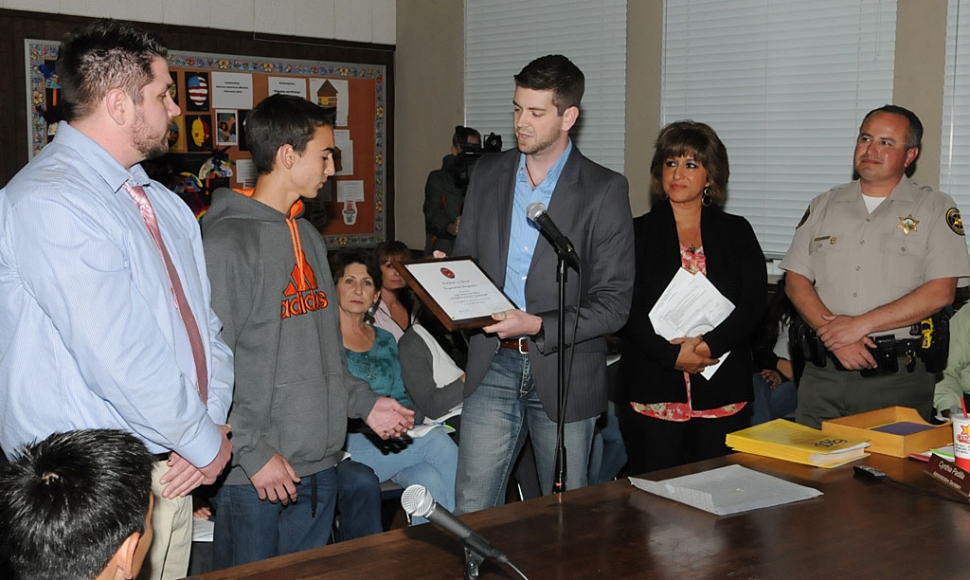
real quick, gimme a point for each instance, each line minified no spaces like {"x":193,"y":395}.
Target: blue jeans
{"x":494,"y":422}
{"x":358,"y":501}
{"x":430,"y":461}
{"x":608,"y":455}
{"x":248,"y":529}
{"x":771,"y":403}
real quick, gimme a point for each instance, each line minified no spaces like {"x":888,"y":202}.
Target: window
{"x":502,"y":36}
{"x":955,"y":153}
{"x":785,"y":83}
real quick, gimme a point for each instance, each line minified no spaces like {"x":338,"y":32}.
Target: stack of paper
{"x":728,"y":490}
{"x":783,"y":439}
{"x":690,"y":306}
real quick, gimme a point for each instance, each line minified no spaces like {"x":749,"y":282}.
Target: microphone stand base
{"x":473,"y":564}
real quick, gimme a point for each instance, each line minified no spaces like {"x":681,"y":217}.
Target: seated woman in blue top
{"x":372,"y":355}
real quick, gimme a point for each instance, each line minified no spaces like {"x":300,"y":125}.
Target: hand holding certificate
{"x":690,"y":306}
{"x":459,"y":293}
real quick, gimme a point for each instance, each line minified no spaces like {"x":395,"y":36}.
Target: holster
{"x":935,"y":339}
{"x":801,"y":336}
{"x":887,"y":353}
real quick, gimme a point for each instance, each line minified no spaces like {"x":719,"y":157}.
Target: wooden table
{"x":858,"y":528}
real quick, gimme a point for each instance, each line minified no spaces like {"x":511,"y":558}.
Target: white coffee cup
{"x":961,"y":440}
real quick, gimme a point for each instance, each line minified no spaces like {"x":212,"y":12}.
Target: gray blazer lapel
{"x":505,"y":203}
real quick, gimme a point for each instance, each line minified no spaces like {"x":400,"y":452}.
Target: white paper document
{"x":202,"y":530}
{"x":728,"y":490}
{"x":422,"y":429}
{"x":232,"y":90}
{"x":287,"y":86}
{"x":350,"y":190}
{"x":690,"y":306}
{"x":341,"y":138}
{"x":246,"y":173}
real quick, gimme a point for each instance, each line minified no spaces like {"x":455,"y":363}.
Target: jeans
{"x":771,"y":403}
{"x":430,"y":461}
{"x":494,"y":422}
{"x":358,"y":501}
{"x":608,"y":455}
{"x":248,"y":529}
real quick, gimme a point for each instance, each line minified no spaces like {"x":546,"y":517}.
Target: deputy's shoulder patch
{"x":954,"y":221}
{"x":808,"y":212}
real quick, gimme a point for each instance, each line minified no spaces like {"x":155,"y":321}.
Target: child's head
{"x":77,"y":504}
{"x":281,"y":120}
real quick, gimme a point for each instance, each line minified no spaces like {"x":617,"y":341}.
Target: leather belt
{"x":161,"y":456}
{"x":520,"y":344}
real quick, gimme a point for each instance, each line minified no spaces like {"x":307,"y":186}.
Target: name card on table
{"x":950,"y":475}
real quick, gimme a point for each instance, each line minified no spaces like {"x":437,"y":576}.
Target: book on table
{"x":783,"y":439}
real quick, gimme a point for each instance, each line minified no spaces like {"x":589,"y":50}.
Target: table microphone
{"x":537,"y":213}
{"x":417,"y":501}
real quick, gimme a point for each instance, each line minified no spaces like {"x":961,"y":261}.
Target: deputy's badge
{"x":954,"y":221}
{"x":908,"y":224}
{"x":808,"y":211}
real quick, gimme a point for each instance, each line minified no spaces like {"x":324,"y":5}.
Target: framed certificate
{"x":457,"y":290}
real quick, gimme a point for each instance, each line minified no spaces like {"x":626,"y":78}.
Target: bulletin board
{"x":207,"y":141}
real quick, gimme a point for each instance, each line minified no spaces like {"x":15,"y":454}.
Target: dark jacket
{"x":736,"y":267}
{"x":591,"y":206}
{"x":444,"y":197}
{"x":417,"y":368}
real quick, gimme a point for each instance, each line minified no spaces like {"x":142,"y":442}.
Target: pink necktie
{"x":137,"y":193}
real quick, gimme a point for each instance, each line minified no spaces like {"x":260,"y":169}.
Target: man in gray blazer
{"x":510,"y":387}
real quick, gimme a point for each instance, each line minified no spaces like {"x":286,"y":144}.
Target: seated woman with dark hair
{"x":397,"y":309}
{"x":427,"y":352}
{"x":372,"y":355}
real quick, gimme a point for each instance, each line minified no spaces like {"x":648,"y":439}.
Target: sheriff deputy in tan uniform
{"x":870,"y":259}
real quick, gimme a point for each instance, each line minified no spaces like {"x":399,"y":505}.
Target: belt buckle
{"x":524,"y":340}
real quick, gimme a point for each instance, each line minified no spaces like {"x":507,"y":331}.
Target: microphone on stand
{"x":417,"y":501}
{"x":537,"y":214}
{"x":567,"y":257}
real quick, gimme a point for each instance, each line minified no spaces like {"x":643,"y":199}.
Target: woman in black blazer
{"x":669,"y":413}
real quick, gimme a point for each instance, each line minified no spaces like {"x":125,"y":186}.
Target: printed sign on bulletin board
{"x":207,"y":140}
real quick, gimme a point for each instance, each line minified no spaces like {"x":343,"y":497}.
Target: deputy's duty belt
{"x":931,"y":348}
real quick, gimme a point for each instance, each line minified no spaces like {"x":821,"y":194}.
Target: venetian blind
{"x":785,"y":83}
{"x":502,"y":36}
{"x":955,"y":153}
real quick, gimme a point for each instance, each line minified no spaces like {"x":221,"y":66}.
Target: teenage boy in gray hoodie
{"x":272,"y":289}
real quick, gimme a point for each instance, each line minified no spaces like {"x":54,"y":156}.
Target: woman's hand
{"x":694,"y":356}
{"x":203,"y":512}
{"x":772,"y":377}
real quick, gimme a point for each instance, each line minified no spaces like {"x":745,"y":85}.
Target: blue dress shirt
{"x":524,"y":234}
{"x":90,"y":336}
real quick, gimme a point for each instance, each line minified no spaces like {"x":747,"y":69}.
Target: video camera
{"x":470,"y":153}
